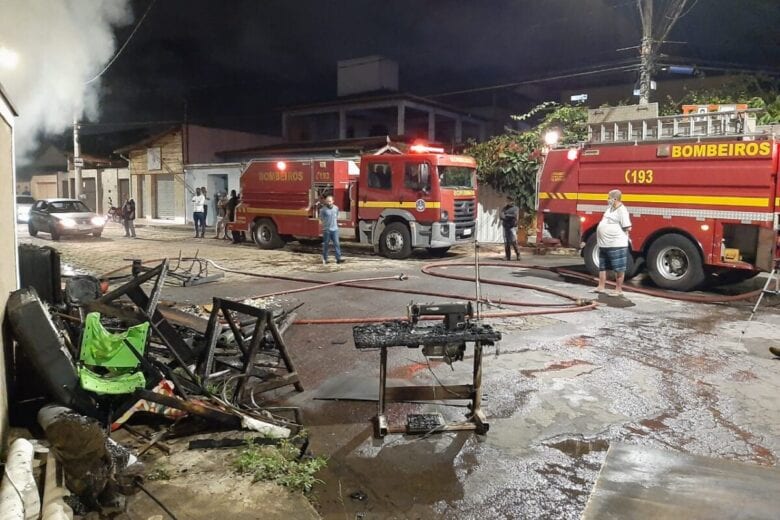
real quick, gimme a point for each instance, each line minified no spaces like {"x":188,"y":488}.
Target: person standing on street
{"x":230,"y":209}
{"x":329,"y":218}
{"x":205,"y":206}
{"x":198,"y":217}
{"x":221,"y":228}
{"x":612,"y":236}
{"x":128,"y":217}
{"x":509,"y":216}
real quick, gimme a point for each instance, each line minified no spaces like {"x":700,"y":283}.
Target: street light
{"x":552,"y":137}
{"x":8,"y":58}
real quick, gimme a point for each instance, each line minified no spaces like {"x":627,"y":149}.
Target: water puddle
{"x":577,"y":446}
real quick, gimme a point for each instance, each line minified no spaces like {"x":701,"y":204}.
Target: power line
{"x":574,"y":74}
{"x":122,"y":48}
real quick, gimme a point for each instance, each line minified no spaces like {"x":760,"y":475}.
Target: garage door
{"x":46,"y":190}
{"x":164,"y":203}
{"x":89,"y":193}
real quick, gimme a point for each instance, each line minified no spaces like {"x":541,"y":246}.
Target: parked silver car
{"x":23,"y":205}
{"x":60,"y":217}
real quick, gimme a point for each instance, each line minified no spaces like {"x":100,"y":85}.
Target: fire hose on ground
{"x":574,"y":303}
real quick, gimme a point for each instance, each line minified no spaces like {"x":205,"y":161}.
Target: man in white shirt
{"x":198,"y":216}
{"x":612,"y":237}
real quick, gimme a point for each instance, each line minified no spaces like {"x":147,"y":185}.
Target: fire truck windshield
{"x":456,"y":177}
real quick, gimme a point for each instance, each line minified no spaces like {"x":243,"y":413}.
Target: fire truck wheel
{"x":674,"y":263}
{"x":266,"y":236}
{"x":396,"y":241}
{"x":591,"y":256}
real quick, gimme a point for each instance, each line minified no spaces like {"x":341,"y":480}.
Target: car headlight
{"x":98,"y":221}
{"x":67,"y":222}
{"x":444,"y":215}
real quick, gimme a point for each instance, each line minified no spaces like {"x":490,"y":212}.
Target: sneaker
{"x":324,"y":262}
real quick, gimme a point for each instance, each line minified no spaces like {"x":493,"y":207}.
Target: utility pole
{"x":76,"y":160}
{"x":646,"y":51}
{"x":653,"y":36}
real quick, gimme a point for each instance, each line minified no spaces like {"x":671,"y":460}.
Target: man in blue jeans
{"x":329,"y":217}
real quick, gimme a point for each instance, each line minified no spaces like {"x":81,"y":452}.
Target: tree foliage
{"x":509,"y":162}
{"x":755,"y":91}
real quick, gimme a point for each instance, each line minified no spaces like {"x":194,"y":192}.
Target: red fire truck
{"x":701,"y":204}
{"x":395,"y":202}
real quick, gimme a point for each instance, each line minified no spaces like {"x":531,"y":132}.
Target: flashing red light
{"x":281,"y":166}
{"x":424,"y":148}
{"x":572,"y":154}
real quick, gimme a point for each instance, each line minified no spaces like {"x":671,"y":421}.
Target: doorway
{"x":124,"y":191}
{"x":215,"y":184}
{"x":89,"y":193}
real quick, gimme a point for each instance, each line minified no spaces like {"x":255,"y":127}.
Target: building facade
{"x":400,"y":115}
{"x":157,"y":166}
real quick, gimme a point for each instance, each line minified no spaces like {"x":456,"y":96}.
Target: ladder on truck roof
{"x":706,"y":125}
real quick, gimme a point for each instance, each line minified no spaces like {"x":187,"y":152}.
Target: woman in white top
{"x":612,"y":237}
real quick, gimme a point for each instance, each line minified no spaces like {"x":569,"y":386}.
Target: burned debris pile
{"x":88,"y":360}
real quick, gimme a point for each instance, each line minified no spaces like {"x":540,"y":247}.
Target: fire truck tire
{"x":266,"y":236}
{"x":31,"y":229}
{"x":674,"y":262}
{"x":591,"y":256}
{"x":396,"y":241}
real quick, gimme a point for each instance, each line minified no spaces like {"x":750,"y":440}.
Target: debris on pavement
{"x":104,"y":357}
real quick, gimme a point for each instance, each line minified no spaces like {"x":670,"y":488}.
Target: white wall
{"x":110,"y":186}
{"x":8,"y":259}
{"x":205,"y":175}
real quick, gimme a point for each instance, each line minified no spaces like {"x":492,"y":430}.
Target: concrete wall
{"x":202,"y":143}
{"x":108,"y":187}
{"x":212,"y":176}
{"x":8,"y":260}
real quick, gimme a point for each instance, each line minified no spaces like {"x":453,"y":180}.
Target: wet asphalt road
{"x":558,"y":390}
{"x":641,"y":370}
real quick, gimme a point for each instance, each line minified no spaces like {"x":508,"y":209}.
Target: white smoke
{"x":61,"y":44}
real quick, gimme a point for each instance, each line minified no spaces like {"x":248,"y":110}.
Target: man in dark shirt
{"x":128,"y":217}
{"x":509,"y":216}
{"x":230,"y":208}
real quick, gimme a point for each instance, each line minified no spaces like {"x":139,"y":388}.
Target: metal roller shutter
{"x":164,"y":205}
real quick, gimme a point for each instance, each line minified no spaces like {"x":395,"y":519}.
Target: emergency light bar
{"x":423,"y":148}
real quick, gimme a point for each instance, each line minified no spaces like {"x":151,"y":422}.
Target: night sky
{"x":233,"y":62}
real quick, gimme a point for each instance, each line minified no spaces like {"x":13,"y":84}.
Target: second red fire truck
{"x":396,"y":202}
{"x":701,"y":204}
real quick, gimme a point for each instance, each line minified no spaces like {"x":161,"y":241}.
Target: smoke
{"x":61,"y":44}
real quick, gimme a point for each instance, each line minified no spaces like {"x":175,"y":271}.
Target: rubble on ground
{"x":106,"y":358}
